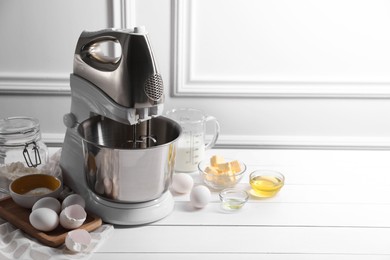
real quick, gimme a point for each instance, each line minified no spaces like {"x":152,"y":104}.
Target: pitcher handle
{"x":216,"y":131}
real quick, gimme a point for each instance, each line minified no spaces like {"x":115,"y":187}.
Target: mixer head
{"x":121,"y":64}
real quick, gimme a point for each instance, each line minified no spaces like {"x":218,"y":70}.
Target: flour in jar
{"x":15,"y":170}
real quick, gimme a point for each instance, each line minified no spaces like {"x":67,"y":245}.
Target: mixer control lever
{"x":70,"y":120}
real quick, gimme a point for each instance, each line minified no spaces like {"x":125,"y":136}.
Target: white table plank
{"x":353,"y":194}
{"x":249,"y":239}
{"x":283,"y":214}
{"x":230,"y":256}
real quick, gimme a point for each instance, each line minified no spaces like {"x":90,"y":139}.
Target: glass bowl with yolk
{"x":266,"y":183}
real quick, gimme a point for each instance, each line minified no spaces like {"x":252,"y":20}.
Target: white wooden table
{"x":334,"y":205}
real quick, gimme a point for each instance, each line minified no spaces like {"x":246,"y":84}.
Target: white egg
{"x":73,"y":199}
{"x":78,"y":240}
{"x":48,"y":202}
{"x":200,"y":196}
{"x":44,"y":219}
{"x":72,"y":216}
{"x":182,"y":183}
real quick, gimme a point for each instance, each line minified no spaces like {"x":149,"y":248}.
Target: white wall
{"x":319,"y":76}
{"x":36,"y":56}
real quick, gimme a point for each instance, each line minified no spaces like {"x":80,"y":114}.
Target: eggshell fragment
{"x":200,"y":196}
{"x":73,"y":199}
{"x":48,"y":202}
{"x":182,"y":183}
{"x":78,"y":240}
{"x":72,"y":216}
{"x":44,"y":219}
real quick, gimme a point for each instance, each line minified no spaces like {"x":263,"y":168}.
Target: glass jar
{"x":20,"y":141}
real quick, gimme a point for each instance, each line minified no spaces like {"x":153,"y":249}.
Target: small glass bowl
{"x":233,"y":199}
{"x":220,"y":181}
{"x":266,"y":183}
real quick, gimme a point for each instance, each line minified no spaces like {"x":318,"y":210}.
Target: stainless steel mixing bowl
{"x":129,"y":163}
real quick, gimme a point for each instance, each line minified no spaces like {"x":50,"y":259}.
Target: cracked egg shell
{"x":78,"y":240}
{"x":72,"y":216}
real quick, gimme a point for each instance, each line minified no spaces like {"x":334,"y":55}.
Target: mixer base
{"x":131,"y":213}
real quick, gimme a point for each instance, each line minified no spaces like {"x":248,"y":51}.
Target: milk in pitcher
{"x":191,"y":145}
{"x":190,"y":151}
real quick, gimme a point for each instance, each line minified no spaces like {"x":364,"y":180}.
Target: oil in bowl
{"x":233,"y":199}
{"x":266,"y":183}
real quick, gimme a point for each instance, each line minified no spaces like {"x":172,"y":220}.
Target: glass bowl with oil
{"x":233,"y":199}
{"x":266,"y":183}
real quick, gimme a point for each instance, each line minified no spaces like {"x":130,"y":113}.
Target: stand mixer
{"x":119,"y":152}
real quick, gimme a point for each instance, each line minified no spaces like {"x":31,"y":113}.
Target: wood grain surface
{"x":19,"y":217}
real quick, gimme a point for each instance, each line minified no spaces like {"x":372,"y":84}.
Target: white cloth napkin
{"x":15,"y":244}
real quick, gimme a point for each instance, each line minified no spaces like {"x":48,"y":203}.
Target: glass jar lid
{"x":19,"y":130}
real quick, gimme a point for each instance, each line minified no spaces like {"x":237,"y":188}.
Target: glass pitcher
{"x":191,"y":146}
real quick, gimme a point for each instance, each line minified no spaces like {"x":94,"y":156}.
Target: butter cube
{"x":211,"y":170}
{"x":235,"y":166}
{"x":224,"y":167}
{"x":216,"y":159}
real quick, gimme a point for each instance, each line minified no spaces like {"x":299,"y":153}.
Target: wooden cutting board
{"x":19,"y":217}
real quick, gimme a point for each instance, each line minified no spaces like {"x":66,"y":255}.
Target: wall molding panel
{"x":23,"y":84}
{"x":304,"y":142}
{"x":121,"y":15}
{"x":207,"y":59}
{"x":277,"y":142}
